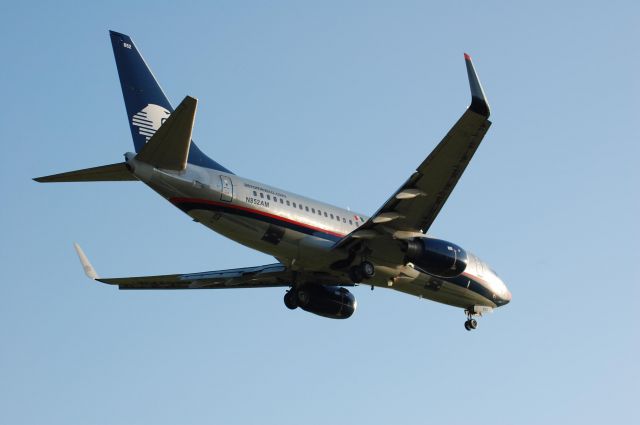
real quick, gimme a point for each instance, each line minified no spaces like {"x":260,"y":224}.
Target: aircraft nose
{"x":507,"y":295}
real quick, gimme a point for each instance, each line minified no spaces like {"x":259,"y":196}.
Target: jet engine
{"x":437,"y":257}
{"x":333,"y":302}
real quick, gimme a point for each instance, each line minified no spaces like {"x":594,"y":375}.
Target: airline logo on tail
{"x":149,"y":119}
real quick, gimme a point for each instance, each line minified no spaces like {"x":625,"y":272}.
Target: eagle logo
{"x":149,"y":119}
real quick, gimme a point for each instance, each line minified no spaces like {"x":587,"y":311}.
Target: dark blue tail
{"x":147,"y":106}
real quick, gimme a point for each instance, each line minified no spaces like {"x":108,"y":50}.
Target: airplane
{"x":320,"y":249}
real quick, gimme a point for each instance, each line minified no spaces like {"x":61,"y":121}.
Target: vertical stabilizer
{"x":147,"y":106}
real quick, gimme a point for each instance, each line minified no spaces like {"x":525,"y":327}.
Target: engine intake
{"x":333,"y":302}
{"x":437,"y":257}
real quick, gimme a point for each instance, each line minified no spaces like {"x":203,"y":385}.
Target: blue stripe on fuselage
{"x":472,"y":284}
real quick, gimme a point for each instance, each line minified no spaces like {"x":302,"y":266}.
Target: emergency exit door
{"x":226,"y":194}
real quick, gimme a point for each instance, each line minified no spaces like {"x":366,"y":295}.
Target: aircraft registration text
{"x":255,"y":201}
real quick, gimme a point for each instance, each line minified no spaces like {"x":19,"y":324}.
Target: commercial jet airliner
{"x":320,"y":248}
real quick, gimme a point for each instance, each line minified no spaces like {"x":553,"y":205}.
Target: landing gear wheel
{"x":291,"y":299}
{"x":467,"y":326}
{"x":367,"y":269}
{"x":355,"y":274}
{"x":473,"y":323}
{"x":303,"y":297}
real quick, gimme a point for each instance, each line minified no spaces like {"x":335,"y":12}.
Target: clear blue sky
{"x":339,"y":101}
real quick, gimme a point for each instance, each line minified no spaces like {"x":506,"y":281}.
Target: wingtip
{"x":479,"y":102}
{"x":86,"y":265}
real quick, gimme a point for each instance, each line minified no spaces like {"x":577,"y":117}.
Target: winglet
{"x":86,"y":265}
{"x":479,"y":102}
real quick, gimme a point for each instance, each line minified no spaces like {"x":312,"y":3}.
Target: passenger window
{"x":306,"y":208}
{"x":331,"y":216}
{"x":294,"y":205}
{"x":351,"y":222}
{"x":269,"y":197}
{"x":261,"y":195}
{"x":275,"y":199}
{"x":255,"y":193}
{"x":300,"y":206}
{"x":344,"y":220}
{"x":282,"y":202}
{"x":338,"y":217}
{"x":319,"y":212}
{"x":325,"y":214}
{"x":288,"y":203}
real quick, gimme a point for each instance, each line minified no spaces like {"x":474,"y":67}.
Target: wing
{"x":271,"y":275}
{"x":415,"y":205}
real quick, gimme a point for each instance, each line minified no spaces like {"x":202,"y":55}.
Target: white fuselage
{"x":301,"y":232}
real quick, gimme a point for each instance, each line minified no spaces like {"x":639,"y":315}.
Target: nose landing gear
{"x":475,"y":311}
{"x":470,"y":323}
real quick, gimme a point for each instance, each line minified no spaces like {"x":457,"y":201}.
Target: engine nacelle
{"x":333,"y":302}
{"x":437,"y":257}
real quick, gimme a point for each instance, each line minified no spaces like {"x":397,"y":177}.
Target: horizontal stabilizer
{"x":105,"y":173}
{"x":168,"y":148}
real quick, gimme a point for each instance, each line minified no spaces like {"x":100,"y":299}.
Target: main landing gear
{"x":470,"y":323}
{"x":362,"y":271}
{"x":291,"y":299}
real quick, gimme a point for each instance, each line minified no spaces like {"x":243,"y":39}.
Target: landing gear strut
{"x":470,"y":323}
{"x":364,"y":270}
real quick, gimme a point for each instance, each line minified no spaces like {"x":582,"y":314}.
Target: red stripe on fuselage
{"x":251,"y":210}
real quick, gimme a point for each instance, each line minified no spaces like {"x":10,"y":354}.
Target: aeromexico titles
{"x":320,"y":249}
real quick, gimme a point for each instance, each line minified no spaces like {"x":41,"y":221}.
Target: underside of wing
{"x":267,"y":276}
{"x":271,"y":275}
{"x":411,"y":210}
{"x":416,"y":204}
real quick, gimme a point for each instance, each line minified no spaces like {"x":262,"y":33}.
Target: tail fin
{"x":147,"y":106}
